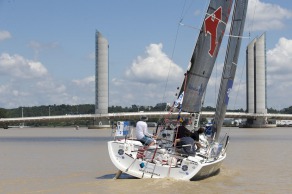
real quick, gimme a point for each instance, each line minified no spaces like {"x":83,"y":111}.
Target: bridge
{"x":136,"y":115}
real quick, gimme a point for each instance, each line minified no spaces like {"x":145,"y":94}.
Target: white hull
{"x":159,"y":163}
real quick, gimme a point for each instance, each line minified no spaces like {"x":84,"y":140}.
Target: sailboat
{"x":161,"y":160}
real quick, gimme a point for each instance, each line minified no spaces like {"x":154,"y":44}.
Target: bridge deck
{"x":136,"y":115}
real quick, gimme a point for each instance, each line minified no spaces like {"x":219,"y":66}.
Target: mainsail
{"x":230,"y":64}
{"x":205,"y":54}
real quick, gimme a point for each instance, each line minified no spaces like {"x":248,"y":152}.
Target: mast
{"x":230,"y":64}
{"x":204,"y":55}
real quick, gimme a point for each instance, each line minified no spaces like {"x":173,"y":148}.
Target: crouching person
{"x":187,"y":145}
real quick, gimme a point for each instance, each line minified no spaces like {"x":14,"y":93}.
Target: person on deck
{"x":196,"y":136}
{"x":142,"y":133}
{"x":182,"y":131}
{"x":187,"y":145}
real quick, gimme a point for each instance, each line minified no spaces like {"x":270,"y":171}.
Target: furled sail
{"x":230,"y":64}
{"x":205,"y":54}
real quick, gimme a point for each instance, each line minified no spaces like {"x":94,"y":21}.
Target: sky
{"x":47,"y":50}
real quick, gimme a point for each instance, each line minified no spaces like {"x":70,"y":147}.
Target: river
{"x":66,"y":160}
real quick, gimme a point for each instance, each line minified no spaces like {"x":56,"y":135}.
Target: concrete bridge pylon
{"x":256,"y":92}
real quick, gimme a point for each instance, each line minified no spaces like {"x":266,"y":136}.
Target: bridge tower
{"x":256,"y":81}
{"x":101,"y":79}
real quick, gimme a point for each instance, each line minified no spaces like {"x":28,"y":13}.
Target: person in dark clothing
{"x":182,"y":131}
{"x":187,"y":145}
{"x":196,"y":136}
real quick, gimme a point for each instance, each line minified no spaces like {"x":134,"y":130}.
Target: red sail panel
{"x":205,"y":54}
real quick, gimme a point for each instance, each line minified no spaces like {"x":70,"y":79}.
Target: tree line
{"x":55,"y":110}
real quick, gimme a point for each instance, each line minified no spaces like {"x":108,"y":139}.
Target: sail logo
{"x":199,"y":89}
{"x":211,"y":26}
{"x":179,"y":101}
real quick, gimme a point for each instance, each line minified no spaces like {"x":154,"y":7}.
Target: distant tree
{"x":287,"y":110}
{"x":160,"y":107}
{"x":63,"y":109}
{"x":236,"y":110}
{"x":208,"y":108}
{"x":3,"y":113}
{"x":271,"y":110}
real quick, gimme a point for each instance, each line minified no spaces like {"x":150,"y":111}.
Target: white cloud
{"x":4,"y":35}
{"x":43,"y":92}
{"x":85,"y":81}
{"x":49,"y":86}
{"x":19,"y":67}
{"x":27,"y":82}
{"x":127,"y":92}
{"x":154,"y":67}
{"x":266,"y":16}
{"x":280,"y":57}
{"x":279,"y":61}
{"x":145,"y":82}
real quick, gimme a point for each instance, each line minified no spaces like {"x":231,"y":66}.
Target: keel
{"x":118,"y":174}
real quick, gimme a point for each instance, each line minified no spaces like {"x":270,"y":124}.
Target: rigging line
{"x":239,"y":84}
{"x":243,"y":68}
{"x":175,"y":40}
{"x":189,"y":26}
{"x":176,"y":35}
{"x":206,"y":9}
{"x":252,"y":21}
{"x":251,"y":28}
{"x":183,"y":13}
{"x":187,"y":10}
